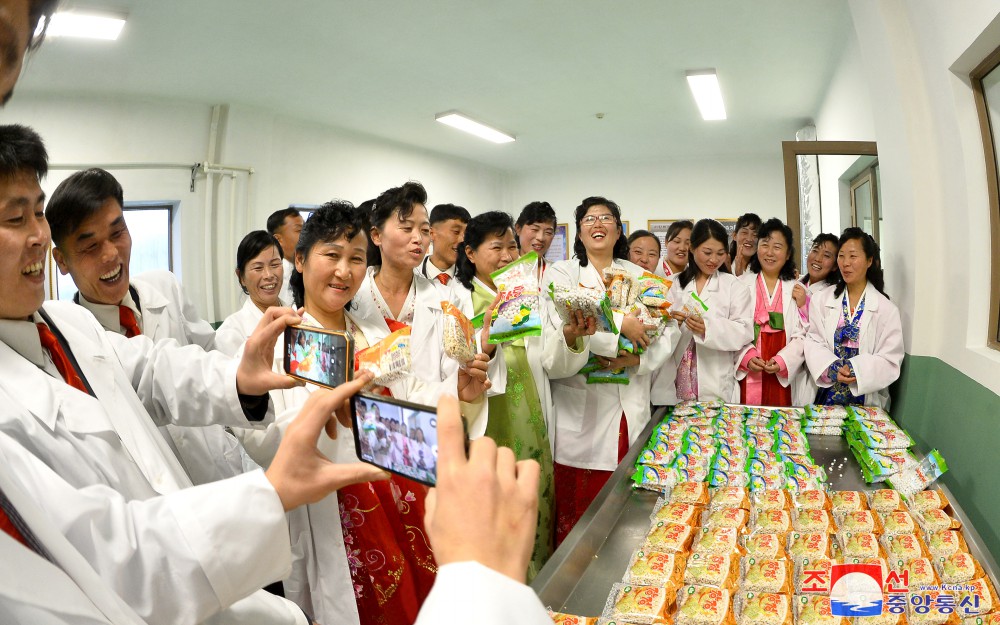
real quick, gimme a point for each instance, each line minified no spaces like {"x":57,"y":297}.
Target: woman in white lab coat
{"x":519,"y":418}
{"x":595,"y":424}
{"x":821,"y":272}
{"x":715,"y":314}
{"x":854,"y":346}
{"x":771,"y":371}
{"x":362,"y":556}
{"x":678,"y":246}
{"x":260,"y":274}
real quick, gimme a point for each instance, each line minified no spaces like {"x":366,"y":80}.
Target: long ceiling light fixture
{"x":82,"y":25}
{"x":704,"y":84}
{"x":471,"y":126}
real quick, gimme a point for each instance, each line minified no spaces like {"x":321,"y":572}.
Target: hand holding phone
{"x":320,"y":356}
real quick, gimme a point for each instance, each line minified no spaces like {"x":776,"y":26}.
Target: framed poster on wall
{"x":659,"y":228}
{"x":559,"y":250}
{"x":626,"y":230}
{"x":730,"y":225}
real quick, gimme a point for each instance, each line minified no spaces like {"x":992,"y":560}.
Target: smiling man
{"x":447,"y":232}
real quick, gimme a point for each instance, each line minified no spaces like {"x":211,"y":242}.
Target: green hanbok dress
{"x":516,"y":420}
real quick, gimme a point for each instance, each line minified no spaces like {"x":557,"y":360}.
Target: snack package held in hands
{"x":912,"y":480}
{"x":459,"y":335}
{"x":653,"y":291}
{"x":637,"y":604}
{"x":388,"y":360}
{"x":517,"y":315}
{"x":601,"y":376}
{"x":693,"y":306}
{"x":591,"y":303}
{"x":623,"y":287}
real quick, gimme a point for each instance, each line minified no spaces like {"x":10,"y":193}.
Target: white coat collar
{"x":153,"y":303}
{"x":108,"y":314}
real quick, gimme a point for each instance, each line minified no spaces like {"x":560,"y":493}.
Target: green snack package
{"x":518,"y":314}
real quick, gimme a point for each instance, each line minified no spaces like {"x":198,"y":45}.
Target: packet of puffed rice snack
{"x":517,"y":315}
{"x":459,"y":336}
{"x":694,"y":306}
{"x":592,"y":303}
{"x":912,"y":480}
{"x":653,"y":291}
{"x":389,"y":360}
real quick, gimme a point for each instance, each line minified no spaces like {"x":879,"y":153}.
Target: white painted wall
{"x":916,"y":56}
{"x":693,"y":188}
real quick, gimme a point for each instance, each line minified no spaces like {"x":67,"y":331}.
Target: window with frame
{"x":151,"y":227}
{"x":985,"y":81}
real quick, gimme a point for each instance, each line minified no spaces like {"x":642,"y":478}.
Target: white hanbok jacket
{"x":802,"y":386}
{"x":880,"y":343}
{"x":728,"y":330}
{"x":587,"y":416}
{"x":110,"y":443}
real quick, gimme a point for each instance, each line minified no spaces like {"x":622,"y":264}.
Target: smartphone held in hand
{"x":321,"y":357}
{"x":395,"y":435}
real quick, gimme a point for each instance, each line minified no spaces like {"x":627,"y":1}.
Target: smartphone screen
{"x":323,"y":357}
{"x":397,"y":436}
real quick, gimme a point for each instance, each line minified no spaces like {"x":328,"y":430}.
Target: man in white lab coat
{"x":93,"y":245}
{"x":285,"y":225}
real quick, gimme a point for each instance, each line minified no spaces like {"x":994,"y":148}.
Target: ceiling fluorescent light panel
{"x":73,"y":24}
{"x":707,"y":93}
{"x":471,"y":126}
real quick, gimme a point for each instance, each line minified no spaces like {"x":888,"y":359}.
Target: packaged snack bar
{"x":730,"y":497}
{"x":859,"y":545}
{"x":812,"y":520}
{"x":912,"y":480}
{"x":669,"y":537}
{"x":571,"y":619}
{"x":716,"y":540}
{"x":711,"y":569}
{"x":517,"y":315}
{"x":927,"y":500}
{"x":978,"y":588}
{"x":656,"y":457}
{"x":689,"y":492}
{"x":459,"y":336}
{"x":808,"y":544}
{"x":718,"y":478}
{"x":766,"y":482}
{"x":770,"y":500}
{"x":623,"y":287}
{"x":898,"y":522}
{"x":848,"y":501}
{"x":637,"y":604}
{"x":958,"y":568}
{"x":867,"y":412}
{"x":676,"y":512}
{"x":934,"y":520}
{"x":725,"y":517}
{"x":925,"y":608}
{"x":993,"y":618}
{"x":762,"y":608}
{"x":812,"y":575}
{"x":389,"y":360}
{"x":945,"y":543}
{"x":884,"y":501}
{"x":764,"y":545}
{"x":655,"y":568}
{"x":703,"y":605}
{"x":905,"y":547}
{"x":811,"y":500}
{"x":859,"y":521}
{"x":693,"y":306}
{"x":776,"y":521}
{"x":653,"y":291}
{"x":815,"y":610}
{"x":765,"y":575}
{"x":921,"y":573}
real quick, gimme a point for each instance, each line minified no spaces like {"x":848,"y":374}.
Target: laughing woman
{"x":772,"y":371}
{"x":595,"y":424}
{"x":260,"y":274}
{"x":711,"y":338}
{"x":854,"y":346}
{"x":518,"y":417}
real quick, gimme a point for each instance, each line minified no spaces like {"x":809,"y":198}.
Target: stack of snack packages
{"x":730,"y":555}
{"x":729,"y":445}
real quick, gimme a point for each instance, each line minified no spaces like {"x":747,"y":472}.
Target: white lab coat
{"x":469,"y":588}
{"x":111,"y":442}
{"x":207,"y":453}
{"x":802,"y":387}
{"x":880,"y":343}
{"x":237,"y":328}
{"x":728,"y":330}
{"x":285,"y":294}
{"x":587,"y":416}
{"x":662,"y":391}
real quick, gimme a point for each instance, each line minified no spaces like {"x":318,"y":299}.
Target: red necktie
{"x":12,"y":524}
{"x":443,"y":278}
{"x":127,"y":320}
{"x":59,"y":358}
{"x":8,"y":526}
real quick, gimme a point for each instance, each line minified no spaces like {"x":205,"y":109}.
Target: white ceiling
{"x":540,"y":69}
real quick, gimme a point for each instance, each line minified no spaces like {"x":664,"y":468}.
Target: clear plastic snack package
{"x":764,"y":544}
{"x":848,"y":501}
{"x":675,"y":512}
{"x":517,"y":315}
{"x":459,"y":335}
{"x":623,"y":288}
{"x":693,"y":306}
{"x":712,"y":569}
{"x":653,"y":291}
{"x":816,"y":610}
{"x":591,"y":303}
{"x":388,"y":360}
{"x":762,"y":608}
{"x":958,"y":568}
{"x":912,"y":480}
{"x":703,"y":605}
{"x":637,"y":604}
{"x":649,"y":567}
{"x":559,"y":618}
{"x":766,"y":575}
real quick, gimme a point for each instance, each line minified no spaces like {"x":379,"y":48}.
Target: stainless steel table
{"x":579,"y":576}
